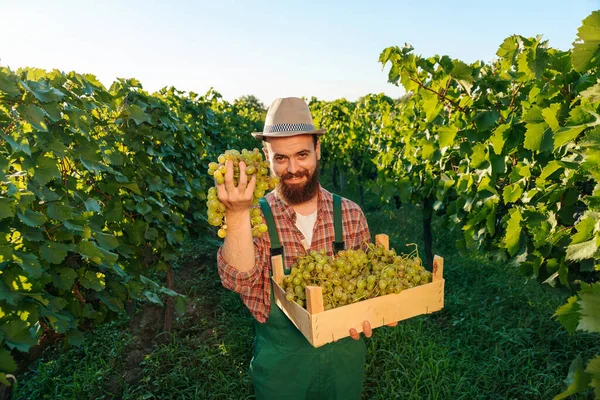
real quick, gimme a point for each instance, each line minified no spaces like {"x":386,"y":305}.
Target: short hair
{"x":315,"y":140}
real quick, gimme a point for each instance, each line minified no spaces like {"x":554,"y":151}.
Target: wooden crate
{"x":321,"y":327}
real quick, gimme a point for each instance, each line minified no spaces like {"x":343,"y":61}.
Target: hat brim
{"x":260,"y":135}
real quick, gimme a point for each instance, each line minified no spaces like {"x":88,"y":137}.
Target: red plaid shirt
{"x":254,"y":286}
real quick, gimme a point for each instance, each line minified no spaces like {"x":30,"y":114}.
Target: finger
{"x":221,"y":192}
{"x":367,"y":329}
{"x":251,"y":186}
{"x":229,"y":184}
{"x":392,"y":324}
{"x":354,"y":334}
{"x":243,"y":182}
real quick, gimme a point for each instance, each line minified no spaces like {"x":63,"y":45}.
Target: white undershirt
{"x":306,"y":223}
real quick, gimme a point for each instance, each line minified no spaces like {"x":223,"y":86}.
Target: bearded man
{"x":284,"y":364}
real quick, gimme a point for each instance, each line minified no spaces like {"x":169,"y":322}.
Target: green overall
{"x":286,"y":366}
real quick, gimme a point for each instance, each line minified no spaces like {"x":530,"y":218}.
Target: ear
{"x":265,"y":149}
{"x":318,"y":149}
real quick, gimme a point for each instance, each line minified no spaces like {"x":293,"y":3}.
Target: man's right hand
{"x":238,"y":198}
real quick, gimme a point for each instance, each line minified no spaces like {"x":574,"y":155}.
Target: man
{"x":284,"y":363}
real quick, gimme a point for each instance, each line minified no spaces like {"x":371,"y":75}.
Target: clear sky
{"x":327,"y":49}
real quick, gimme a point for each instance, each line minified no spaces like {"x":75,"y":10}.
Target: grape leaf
{"x":589,"y":312}
{"x":17,"y":336}
{"x":581,"y":251}
{"x":587,"y":49}
{"x":46,"y":170}
{"x":7,"y":208}
{"x":54,"y":252}
{"x":568,"y":314}
{"x":577,"y":379}
{"x":32,"y":218}
{"x":7,"y":363}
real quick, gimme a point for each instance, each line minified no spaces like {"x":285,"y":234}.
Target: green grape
{"x":254,"y":165}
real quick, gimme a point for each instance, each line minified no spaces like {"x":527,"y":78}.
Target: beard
{"x":295,"y":193}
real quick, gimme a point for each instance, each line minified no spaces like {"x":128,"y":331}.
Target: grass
{"x":494,"y":339}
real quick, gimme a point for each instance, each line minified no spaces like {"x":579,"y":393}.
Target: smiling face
{"x":295,"y":160}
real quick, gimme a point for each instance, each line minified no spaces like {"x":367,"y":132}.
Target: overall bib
{"x":286,"y":366}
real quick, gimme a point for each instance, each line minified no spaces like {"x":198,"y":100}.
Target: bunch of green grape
{"x":354,"y":275}
{"x":255,"y":165}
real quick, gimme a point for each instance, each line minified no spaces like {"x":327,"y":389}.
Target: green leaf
{"x":137,"y":114}
{"x":60,"y":212}
{"x":589,"y":309}
{"x":17,"y":336}
{"x":109,"y":242}
{"x":513,"y":232}
{"x":30,"y":264}
{"x":93,"y":280}
{"x":585,"y":228}
{"x":43,"y":91}
{"x":512,"y":193}
{"x":592,"y":93}
{"x":587,"y":49}
{"x":479,"y":155}
{"x":593,"y":369}
{"x":46,"y":170}
{"x":32,"y":218}
{"x":568,"y":314}
{"x":63,"y":277}
{"x":549,"y":169}
{"x":92,"y":205}
{"x":133,"y":187}
{"x":567,"y":134}
{"x":174,"y":237}
{"x":89,"y":249}
{"x":581,"y":251}
{"x":7,"y":208}
{"x":152,"y":297}
{"x":486,"y":120}
{"x":577,"y":380}
{"x":20,"y":143}
{"x":54,"y":252}
{"x":144,"y":208}
{"x":7,"y":363}
{"x":9,"y":83}
{"x":432,"y":108}
{"x":538,"y":137}
{"x":113,"y":212}
{"x":35,"y":116}
{"x":550,"y":115}
{"x":151,"y":234}
{"x":447,"y":135}
{"x":499,"y":137}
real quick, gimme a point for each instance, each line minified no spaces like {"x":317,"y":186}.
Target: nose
{"x":292,"y":166}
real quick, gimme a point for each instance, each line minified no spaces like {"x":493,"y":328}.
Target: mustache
{"x":298,"y":174}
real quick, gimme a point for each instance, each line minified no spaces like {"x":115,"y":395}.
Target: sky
{"x":270,"y":49}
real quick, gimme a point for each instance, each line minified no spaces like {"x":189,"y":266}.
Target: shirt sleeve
{"x":252,"y":285}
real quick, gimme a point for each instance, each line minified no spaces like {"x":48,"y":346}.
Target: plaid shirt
{"x":254,"y":286}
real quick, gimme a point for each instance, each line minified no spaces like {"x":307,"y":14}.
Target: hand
{"x":236,"y":198}
{"x":366,"y":330}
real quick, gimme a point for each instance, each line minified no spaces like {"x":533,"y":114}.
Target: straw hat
{"x":288,"y":116}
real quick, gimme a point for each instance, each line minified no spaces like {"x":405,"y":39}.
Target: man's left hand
{"x":366,"y":330}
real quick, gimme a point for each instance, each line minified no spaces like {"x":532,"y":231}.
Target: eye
{"x":303,"y":155}
{"x":279,"y":158}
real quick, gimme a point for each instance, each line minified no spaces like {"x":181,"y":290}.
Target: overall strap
{"x":276,"y":247}
{"x":338,"y":244}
